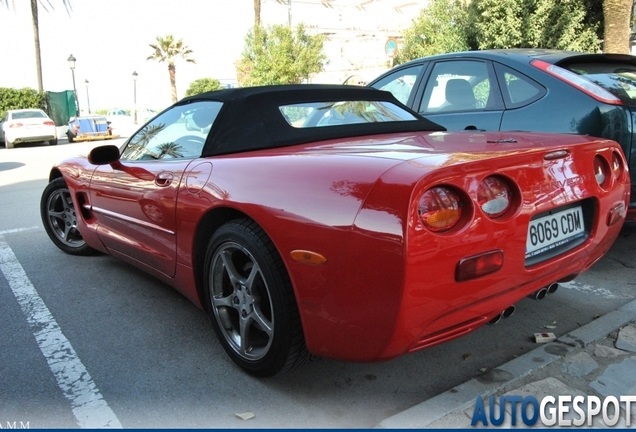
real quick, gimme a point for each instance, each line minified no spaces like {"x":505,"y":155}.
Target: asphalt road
{"x":146,"y":357}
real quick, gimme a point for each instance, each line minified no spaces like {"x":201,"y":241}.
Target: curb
{"x":463,"y":396}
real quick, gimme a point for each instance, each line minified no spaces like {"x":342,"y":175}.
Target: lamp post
{"x":71,"y":62}
{"x":88,"y":101}
{"x":134,"y":74}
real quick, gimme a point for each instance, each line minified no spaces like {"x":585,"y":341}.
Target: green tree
{"x":168,"y":50}
{"x":441,"y":27}
{"x":565,"y":25}
{"x":497,"y":23}
{"x":561,"y":25}
{"x":36,"y":31}
{"x":11,"y":99}
{"x":278,"y":55}
{"x":203,"y":85}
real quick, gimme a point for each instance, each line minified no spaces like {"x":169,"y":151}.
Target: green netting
{"x":62,"y":106}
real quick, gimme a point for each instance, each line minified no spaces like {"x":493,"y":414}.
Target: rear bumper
{"x":36,"y":136}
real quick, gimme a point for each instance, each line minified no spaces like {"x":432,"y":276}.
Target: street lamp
{"x":88,"y":101}
{"x":135,"y":94}
{"x":71,"y":62}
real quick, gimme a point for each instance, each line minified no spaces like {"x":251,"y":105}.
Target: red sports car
{"x":334,"y":221}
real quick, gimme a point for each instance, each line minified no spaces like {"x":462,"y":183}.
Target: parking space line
{"x":88,"y":405}
{"x":17,"y":230}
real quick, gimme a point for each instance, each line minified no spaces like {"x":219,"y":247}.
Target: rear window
{"x":617,"y":78}
{"x":28,"y":114}
{"x":319,"y":114}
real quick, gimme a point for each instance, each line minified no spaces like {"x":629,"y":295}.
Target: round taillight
{"x":494,"y":196}
{"x":601,"y":171}
{"x":617,"y":165}
{"x":440,"y":209}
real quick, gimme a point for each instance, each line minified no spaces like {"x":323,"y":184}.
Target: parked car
{"x":118,"y":112}
{"x":334,"y":221}
{"x":89,"y":128}
{"x":525,"y":89}
{"x":27,"y":126}
{"x":145,"y":114}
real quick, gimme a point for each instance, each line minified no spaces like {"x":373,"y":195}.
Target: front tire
{"x":60,"y":220}
{"x":251,"y":301}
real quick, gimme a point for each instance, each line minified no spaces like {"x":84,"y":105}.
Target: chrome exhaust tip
{"x":552,"y":288}
{"x":539,"y":295}
{"x":496,"y":319}
{"x":507,"y":313}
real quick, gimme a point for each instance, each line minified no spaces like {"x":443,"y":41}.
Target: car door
{"x":461,"y":94}
{"x":135,"y":199}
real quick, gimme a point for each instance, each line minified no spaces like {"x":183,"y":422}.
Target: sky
{"x":110,"y":40}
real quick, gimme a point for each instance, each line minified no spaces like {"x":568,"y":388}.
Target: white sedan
{"x":27,"y":126}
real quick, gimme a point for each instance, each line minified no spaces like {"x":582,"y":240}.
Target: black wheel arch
{"x":208,"y":225}
{"x":54,"y":174}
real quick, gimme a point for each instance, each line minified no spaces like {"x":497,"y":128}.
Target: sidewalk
{"x":598,"y":359}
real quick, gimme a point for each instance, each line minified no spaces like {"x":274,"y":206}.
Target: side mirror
{"x":102,"y":155}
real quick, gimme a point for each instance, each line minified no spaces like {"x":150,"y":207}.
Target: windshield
{"x":617,"y":78}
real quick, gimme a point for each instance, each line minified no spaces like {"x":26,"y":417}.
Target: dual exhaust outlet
{"x":538,"y":295}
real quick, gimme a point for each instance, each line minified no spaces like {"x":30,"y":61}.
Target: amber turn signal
{"x":308,"y":257}
{"x":440,"y":209}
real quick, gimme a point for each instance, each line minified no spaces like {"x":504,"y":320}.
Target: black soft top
{"x":250,"y":118}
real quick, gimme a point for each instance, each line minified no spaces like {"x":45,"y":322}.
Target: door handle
{"x":164,"y":179}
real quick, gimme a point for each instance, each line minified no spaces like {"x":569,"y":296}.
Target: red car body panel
{"x":388,"y":284}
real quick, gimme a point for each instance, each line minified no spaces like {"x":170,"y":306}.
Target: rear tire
{"x":53,"y":142}
{"x":60,"y":221}
{"x":251,"y":301}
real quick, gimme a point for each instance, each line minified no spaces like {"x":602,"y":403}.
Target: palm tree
{"x":617,"y":16}
{"x":36,"y":31}
{"x":166,"y":50}
{"x":257,"y":13}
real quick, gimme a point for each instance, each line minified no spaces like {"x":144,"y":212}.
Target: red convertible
{"x":334,"y":221}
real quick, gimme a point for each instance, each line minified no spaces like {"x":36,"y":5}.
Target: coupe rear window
{"x":617,"y":78}
{"x":319,"y":114}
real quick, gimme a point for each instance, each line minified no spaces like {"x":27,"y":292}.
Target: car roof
{"x":250,"y":118}
{"x":525,"y":55}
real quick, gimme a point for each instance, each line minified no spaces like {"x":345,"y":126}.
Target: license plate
{"x":555,"y":230}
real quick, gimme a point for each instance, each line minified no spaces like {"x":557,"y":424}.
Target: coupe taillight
{"x":494,"y":196}
{"x":15,"y":125}
{"x":49,"y":123}
{"x":617,"y":165}
{"x":440,"y":208}
{"x":601,"y":172}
